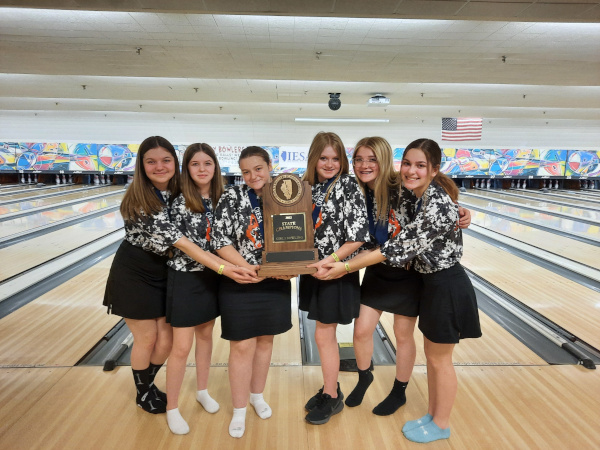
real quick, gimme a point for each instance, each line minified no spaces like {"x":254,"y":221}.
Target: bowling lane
{"x":572,"y":211}
{"x":62,"y":325}
{"x":560,"y":245}
{"x":24,"y":223}
{"x":16,"y":188}
{"x":38,"y":203}
{"x":574,"y":227}
{"x":42,"y":191}
{"x":545,"y":197}
{"x":565,"y":302}
{"x":33,"y":252}
{"x":497,"y":347}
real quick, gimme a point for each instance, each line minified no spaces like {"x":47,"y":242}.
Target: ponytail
{"x":448,"y":185}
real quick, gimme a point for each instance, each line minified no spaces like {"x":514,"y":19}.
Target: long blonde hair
{"x":320,"y":142}
{"x":433,"y":153}
{"x":140,"y":198}
{"x":193,"y":199}
{"x":388,"y":177}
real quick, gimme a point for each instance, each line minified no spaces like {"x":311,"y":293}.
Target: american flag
{"x":461,"y":129}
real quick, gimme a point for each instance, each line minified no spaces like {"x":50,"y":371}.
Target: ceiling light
{"x":327,"y":119}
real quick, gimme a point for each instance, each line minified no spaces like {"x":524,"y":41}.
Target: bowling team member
{"x":432,"y":242}
{"x":341,"y":227}
{"x":192,"y":305}
{"x":137,"y":282}
{"x":385,"y":287}
{"x":252,"y":314}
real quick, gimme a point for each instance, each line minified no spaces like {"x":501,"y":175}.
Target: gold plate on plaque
{"x":287,"y":189}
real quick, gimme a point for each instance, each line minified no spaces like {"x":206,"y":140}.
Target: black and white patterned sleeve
{"x":155,"y":233}
{"x":432,"y":236}
{"x":195,"y":227}
{"x":223,"y":226}
{"x":356,"y":222}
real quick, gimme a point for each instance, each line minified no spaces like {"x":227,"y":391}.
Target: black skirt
{"x":392,"y":289}
{"x":448,"y":310}
{"x":192,"y":297}
{"x":137,"y":284}
{"x":332,"y":301}
{"x":251,"y":310}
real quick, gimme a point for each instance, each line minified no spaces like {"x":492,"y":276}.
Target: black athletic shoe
{"x":312,"y":402}
{"x":325,"y":408}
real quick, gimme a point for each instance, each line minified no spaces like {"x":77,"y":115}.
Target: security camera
{"x":334,"y":101}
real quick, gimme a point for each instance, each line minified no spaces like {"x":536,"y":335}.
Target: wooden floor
{"x":563,"y":301}
{"x":35,"y":192}
{"x":26,"y":223}
{"x":26,"y":254}
{"x":522,"y":407}
{"x":57,"y":200}
{"x":551,"y":242}
{"x":61,"y":326}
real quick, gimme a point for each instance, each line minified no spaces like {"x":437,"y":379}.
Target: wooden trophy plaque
{"x":288,"y":225}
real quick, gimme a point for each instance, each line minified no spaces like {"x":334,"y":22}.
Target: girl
{"x":385,"y":287}
{"x":137,"y":282}
{"x":192,"y":291}
{"x":252,"y":315}
{"x":448,"y":307}
{"x":341,"y":227}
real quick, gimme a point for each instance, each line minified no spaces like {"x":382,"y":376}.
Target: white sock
{"x":260,"y":406}
{"x":177,"y":424}
{"x":238,"y":422}
{"x":207,"y":402}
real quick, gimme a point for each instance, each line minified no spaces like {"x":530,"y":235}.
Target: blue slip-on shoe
{"x":427,"y":433}
{"x":417,"y":423}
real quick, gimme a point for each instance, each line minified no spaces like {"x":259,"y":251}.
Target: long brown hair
{"x":320,"y":142}
{"x":193,"y":199}
{"x":388,"y":177}
{"x":140,"y":198}
{"x":433,"y":153}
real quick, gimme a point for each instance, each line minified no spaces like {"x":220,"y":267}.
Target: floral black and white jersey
{"x":236,"y":224}
{"x":399,"y":215}
{"x":343,"y":217}
{"x":432,"y":240}
{"x":196,"y":227}
{"x":155,"y":233}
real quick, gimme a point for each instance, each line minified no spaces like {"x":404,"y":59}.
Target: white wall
{"x":125,"y":128}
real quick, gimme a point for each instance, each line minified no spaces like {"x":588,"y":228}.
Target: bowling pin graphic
{"x":57,"y":179}
{"x":96,"y":180}
{"x":23,"y":178}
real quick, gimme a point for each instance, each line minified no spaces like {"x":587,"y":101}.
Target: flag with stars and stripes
{"x":461,"y":129}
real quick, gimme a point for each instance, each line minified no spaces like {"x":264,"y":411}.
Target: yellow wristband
{"x":221,"y":269}
{"x":347,"y":266}
{"x":335,"y":257}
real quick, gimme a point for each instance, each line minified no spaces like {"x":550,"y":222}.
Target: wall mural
{"x":111,"y":158}
{"x":583,"y":163}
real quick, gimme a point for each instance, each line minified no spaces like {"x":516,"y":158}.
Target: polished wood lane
{"x":30,"y":222}
{"x":61,"y":326}
{"x":564,"y":302}
{"x":40,"y":191}
{"x":551,"y":242}
{"x":496,"y":347}
{"x":32,"y":252}
{"x":59,"y":199}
